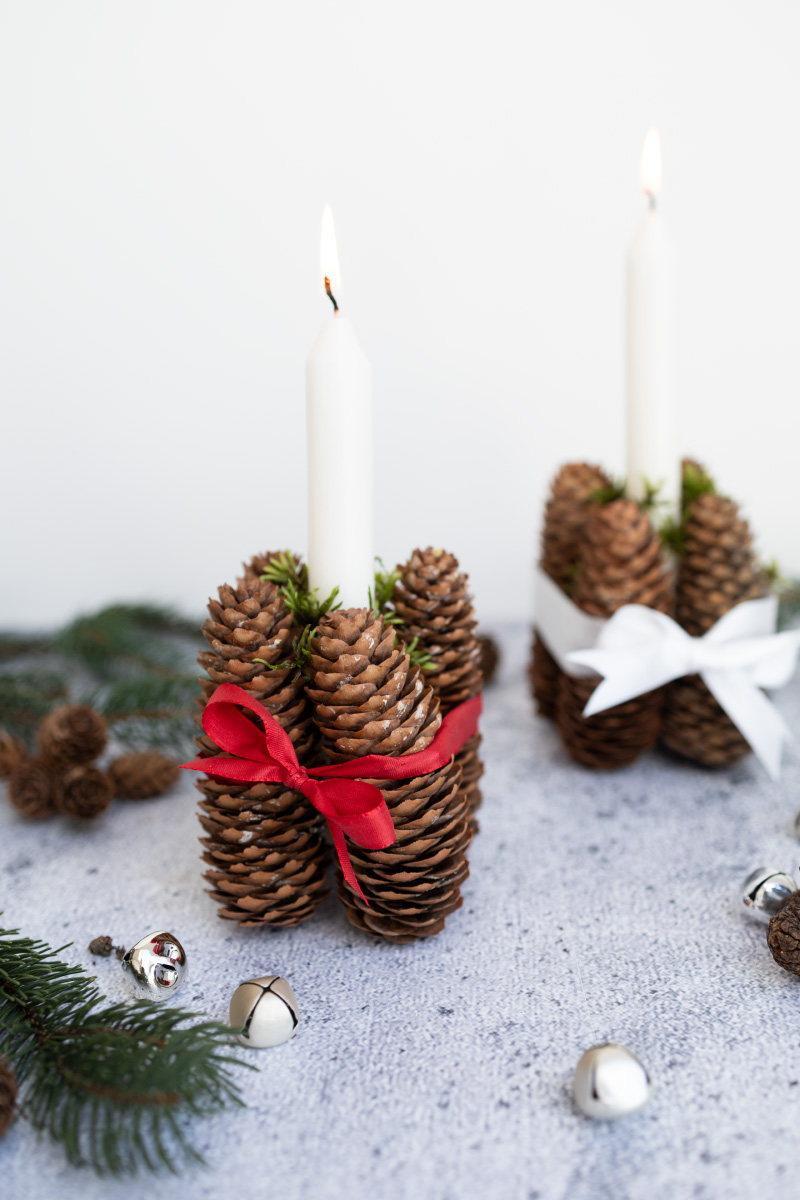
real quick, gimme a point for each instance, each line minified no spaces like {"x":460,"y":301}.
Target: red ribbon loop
{"x":350,"y":806}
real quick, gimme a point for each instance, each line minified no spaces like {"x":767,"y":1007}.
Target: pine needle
{"x":112,"y":1083}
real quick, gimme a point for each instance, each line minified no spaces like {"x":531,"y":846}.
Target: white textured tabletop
{"x":441,"y":1070}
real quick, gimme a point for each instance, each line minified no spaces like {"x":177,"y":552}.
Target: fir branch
{"x":24,"y":700}
{"x":300,"y":660}
{"x":124,"y":637}
{"x":419,"y":656}
{"x":608,"y":493}
{"x":284,"y":568}
{"x":384,"y":588}
{"x":111,"y":1083}
{"x":13,"y":645}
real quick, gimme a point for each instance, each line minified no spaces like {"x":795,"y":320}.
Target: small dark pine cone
{"x":490,"y":656}
{"x":8,"y":1095}
{"x":101,"y":946}
{"x":87,"y":793}
{"x":143,"y":775}
{"x":34,"y":790}
{"x":12,"y":753}
{"x":72,"y":735}
{"x":783,"y":935}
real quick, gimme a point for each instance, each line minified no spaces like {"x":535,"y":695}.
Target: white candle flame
{"x":329,"y":256}
{"x":651,"y":164}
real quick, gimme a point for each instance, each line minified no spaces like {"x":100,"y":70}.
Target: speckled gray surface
{"x":441,"y":1071}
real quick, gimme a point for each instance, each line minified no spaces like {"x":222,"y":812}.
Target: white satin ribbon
{"x":639,"y":649}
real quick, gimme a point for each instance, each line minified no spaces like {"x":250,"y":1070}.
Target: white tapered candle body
{"x":339,"y":441}
{"x":649,"y":295}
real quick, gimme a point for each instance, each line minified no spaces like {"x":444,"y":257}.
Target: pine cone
{"x":566,"y":512}
{"x":490,"y":657}
{"x":433,"y":601}
{"x":718,"y":570}
{"x":143,"y":775}
{"x":71,"y":735}
{"x":8,"y":1095}
{"x":13,"y":753}
{"x":783,"y":935}
{"x":263,"y":847}
{"x":34,"y":789}
{"x":86,"y":793}
{"x":368,"y":699}
{"x":621,"y":562}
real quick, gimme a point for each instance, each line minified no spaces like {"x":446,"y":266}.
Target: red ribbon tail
{"x":344,"y":860}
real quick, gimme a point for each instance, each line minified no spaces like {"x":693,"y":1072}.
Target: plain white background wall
{"x":163,"y":168}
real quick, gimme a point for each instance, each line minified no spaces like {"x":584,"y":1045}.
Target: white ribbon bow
{"x":639,"y":649}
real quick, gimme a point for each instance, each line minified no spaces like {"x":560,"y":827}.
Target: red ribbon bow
{"x":348,"y":805}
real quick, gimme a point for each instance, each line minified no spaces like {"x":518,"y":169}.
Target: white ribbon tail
{"x":753,"y":713}
{"x":627,"y":674}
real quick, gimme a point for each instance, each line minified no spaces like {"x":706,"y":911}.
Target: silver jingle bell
{"x":766,"y":891}
{"x":266,"y":1011}
{"x":611,"y":1082}
{"x":156,"y":966}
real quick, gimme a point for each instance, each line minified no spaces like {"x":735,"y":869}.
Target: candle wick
{"x":331,"y":295}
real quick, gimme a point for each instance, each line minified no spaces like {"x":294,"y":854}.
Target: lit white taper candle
{"x":339,"y":442}
{"x":649,"y":297}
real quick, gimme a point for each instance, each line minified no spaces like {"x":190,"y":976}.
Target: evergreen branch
{"x":384,"y":587}
{"x":24,"y":700}
{"x":13,"y":645}
{"x":112,"y":1083}
{"x":121,"y":637}
{"x":419,"y":656}
{"x":608,"y":493}
{"x":285,"y":568}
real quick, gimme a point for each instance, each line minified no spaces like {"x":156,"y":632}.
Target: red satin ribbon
{"x":349,"y":806}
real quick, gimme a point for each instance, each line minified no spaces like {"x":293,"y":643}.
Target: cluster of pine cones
{"x":63,"y":775}
{"x":264,"y":849}
{"x":608,"y":555}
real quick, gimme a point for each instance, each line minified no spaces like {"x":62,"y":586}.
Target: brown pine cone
{"x":621,"y":562}
{"x":86,"y":793}
{"x":434,"y":605}
{"x":783,"y":935}
{"x":369,"y":700}
{"x":143,"y":775}
{"x":717,"y":571}
{"x":34,"y":790}
{"x":8,"y":1095}
{"x":567,"y":509}
{"x":71,"y":735}
{"x":263,"y":847}
{"x":543,"y":674}
{"x":13,"y":753}
{"x":490,"y":657}
{"x":101,"y":946}
{"x":433,"y":601}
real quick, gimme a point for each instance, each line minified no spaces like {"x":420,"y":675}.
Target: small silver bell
{"x":156,"y":966}
{"x":266,"y":1011}
{"x":610,"y":1082}
{"x":766,"y":891}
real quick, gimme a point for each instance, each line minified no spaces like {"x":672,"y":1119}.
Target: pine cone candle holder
{"x":621,"y":561}
{"x":566,"y":513}
{"x":432,"y":599}
{"x":718,"y":570}
{"x":369,"y":699}
{"x":265,"y":855}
